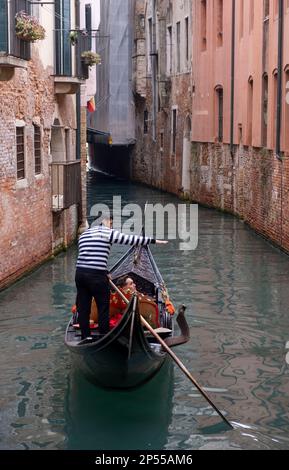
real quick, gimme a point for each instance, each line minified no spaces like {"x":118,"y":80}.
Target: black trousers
{"x":92,"y":283}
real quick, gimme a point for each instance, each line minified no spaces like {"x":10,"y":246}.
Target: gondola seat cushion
{"x":147,"y":308}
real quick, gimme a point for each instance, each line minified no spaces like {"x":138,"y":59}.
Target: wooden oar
{"x":174,"y":357}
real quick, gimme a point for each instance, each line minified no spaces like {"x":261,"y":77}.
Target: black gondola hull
{"x":122,"y":359}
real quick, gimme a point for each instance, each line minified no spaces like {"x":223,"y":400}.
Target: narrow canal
{"x":236,"y":288}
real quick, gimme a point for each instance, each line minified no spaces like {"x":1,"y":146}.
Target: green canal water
{"x":236,"y":287}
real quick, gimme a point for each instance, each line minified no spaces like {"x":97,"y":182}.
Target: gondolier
{"x":91,"y":272}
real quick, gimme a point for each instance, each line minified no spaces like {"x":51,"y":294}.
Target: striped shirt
{"x":95,"y":244}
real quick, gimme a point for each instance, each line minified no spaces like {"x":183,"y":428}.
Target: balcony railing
{"x":65,"y":184}
{"x":10,"y":44}
{"x":68,"y":50}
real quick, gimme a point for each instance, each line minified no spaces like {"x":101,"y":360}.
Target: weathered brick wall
{"x":252,"y":185}
{"x":153,"y":162}
{"x":150,"y":164}
{"x":26,"y":225}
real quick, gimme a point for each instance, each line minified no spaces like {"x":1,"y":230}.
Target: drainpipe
{"x":279,"y":105}
{"x":280,"y":77}
{"x":78,"y":95}
{"x":154,"y":70}
{"x":233,"y":47}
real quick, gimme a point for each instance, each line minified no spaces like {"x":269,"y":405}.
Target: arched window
{"x":274,"y":107}
{"x":286,"y":123}
{"x":220,"y":113}
{"x":264,"y":110}
{"x":250,"y":111}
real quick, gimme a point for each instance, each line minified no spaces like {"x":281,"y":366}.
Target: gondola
{"x":128,"y":355}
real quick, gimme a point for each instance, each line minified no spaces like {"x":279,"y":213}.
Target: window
{"x":169,"y":50}
{"x":241,"y":19}
{"x":266,"y":9}
{"x":62,"y":44}
{"x":146,"y":122}
{"x":178,"y":47}
{"x":265,"y":110}
{"x":219,"y":20}
{"x":220,"y":113}
{"x":9,"y":43}
{"x":250,"y":112}
{"x":240,"y":133}
{"x":251,"y":19}
{"x":88,"y":26}
{"x":187,"y":39}
{"x":20,"y":153}
{"x":174,"y":131}
{"x":150,"y":44}
{"x":67,"y":145}
{"x":4,"y":26}
{"x":203,"y":25}
{"x":287,"y":110}
{"x":37,"y":149}
{"x":35,"y":9}
{"x":162,"y":141}
{"x":274,"y":110}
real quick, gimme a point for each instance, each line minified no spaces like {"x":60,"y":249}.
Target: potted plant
{"x":90,"y":58}
{"x":28,"y":28}
{"x":73,"y":35}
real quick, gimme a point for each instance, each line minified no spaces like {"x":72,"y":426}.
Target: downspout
{"x":81,"y":206}
{"x":78,"y":94}
{"x":233,"y":47}
{"x":233,"y":50}
{"x":153,"y":53}
{"x":280,"y":77}
{"x":279,"y":105}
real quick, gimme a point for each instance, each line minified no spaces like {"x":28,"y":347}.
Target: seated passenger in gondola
{"x":147,"y":306}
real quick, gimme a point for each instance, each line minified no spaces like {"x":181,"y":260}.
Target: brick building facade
{"x":42,"y":157}
{"x":162,"y":82}
{"x":240,"y":127}
{"x":217,"y":132}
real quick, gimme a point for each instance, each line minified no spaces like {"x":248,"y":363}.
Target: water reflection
{"x":236,"y":288}
{"x":101,"y":419}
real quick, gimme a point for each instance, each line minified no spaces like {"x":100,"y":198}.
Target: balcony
{"x":14,"y":53}
{"x":69,"y":46}
{"x":65,"y":184}
{"x":83,"y":43}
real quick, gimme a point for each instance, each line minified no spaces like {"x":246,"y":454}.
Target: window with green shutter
{"x":3,"y":26}
{"x":62,"y":39}
{"x":20,"y":153}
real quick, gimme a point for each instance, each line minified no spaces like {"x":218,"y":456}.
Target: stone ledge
{"x":11,"y":61}
{"x":8,"y":64}
{"x":67,"y":85}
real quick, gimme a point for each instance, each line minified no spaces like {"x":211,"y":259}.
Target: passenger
{"x":147,"y":306}
{"x":128,"y":287}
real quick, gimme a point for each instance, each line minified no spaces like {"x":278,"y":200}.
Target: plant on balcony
{"x":28,"y":28}
{"x":90,"y":58}
{"x":73,"y":35}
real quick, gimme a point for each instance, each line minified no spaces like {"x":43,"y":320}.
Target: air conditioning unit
{"x":57,"y":202}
